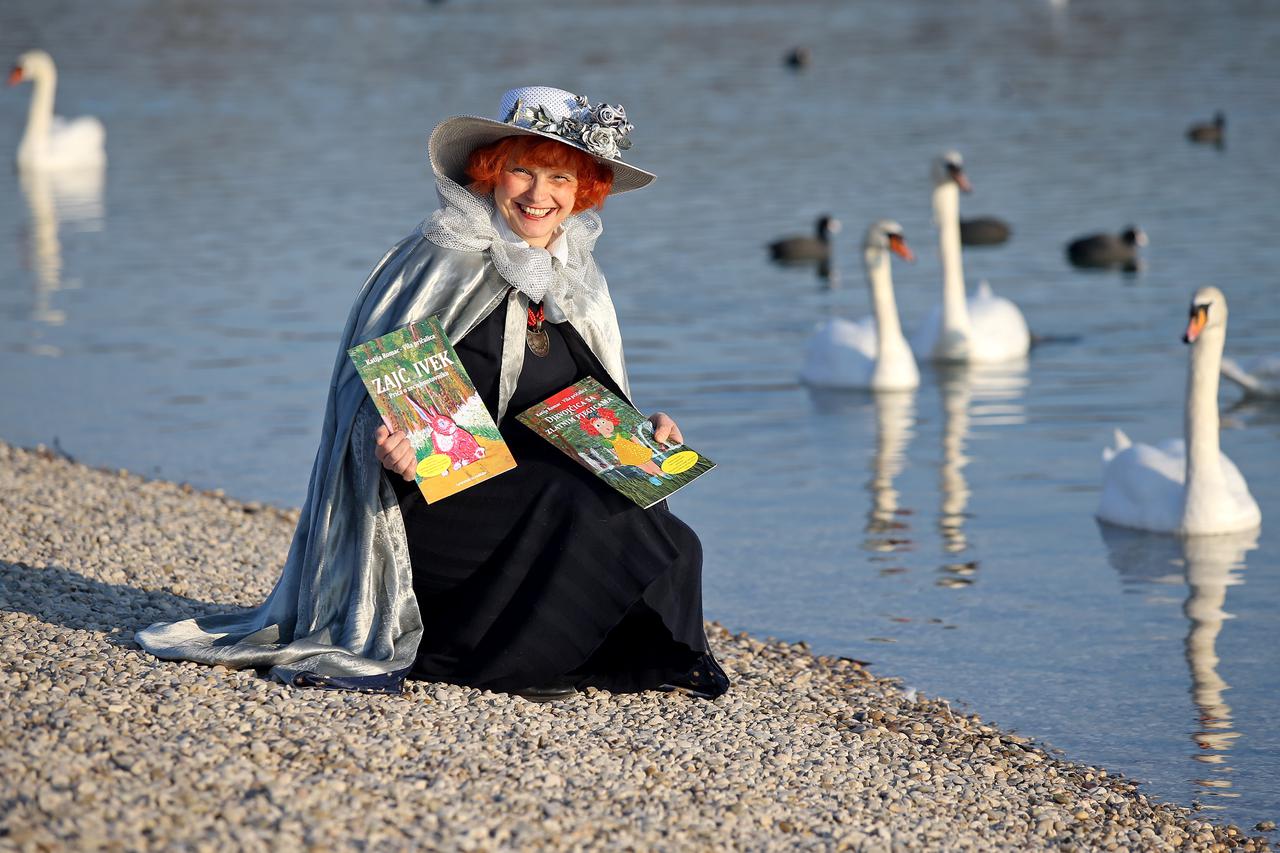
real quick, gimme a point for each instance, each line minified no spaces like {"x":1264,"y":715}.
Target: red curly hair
{"x":487,"y":162}
{"x":585,"y":420}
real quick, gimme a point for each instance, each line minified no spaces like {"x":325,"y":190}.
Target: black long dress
{"x":545,"y":576}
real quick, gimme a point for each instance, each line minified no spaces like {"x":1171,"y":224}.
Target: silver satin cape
{"x":343,"y":613}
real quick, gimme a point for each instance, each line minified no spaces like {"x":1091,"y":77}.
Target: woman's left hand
{"x":665,"y":429}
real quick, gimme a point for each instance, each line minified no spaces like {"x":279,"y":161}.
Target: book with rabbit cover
{"x":421,"y":388}
{"x":602,"y":432}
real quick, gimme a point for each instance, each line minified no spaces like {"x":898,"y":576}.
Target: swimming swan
{"x":1259,"y":378}
{"x":872,"y":352}
{"x":984,"y":328}
{"x":51,"y":142}
{"x":1189,"y":487}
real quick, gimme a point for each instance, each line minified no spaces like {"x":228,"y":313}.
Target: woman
{"x":544,"y":579}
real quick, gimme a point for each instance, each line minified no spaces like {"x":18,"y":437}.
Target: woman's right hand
{"x":395,"y":452}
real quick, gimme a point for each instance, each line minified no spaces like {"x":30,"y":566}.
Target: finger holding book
{"x":395,"y":452}
{"x":665,"y":429}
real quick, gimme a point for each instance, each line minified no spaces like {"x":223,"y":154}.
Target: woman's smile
{"x":535,"y":200}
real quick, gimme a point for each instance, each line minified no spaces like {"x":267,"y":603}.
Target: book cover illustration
{"x":605,"y":434}
{"x":421,"y":388}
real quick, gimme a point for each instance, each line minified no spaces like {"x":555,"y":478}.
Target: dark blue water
{"x":178,"y":314}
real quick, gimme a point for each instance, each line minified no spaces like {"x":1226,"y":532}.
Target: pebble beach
{"x":105,"y":747}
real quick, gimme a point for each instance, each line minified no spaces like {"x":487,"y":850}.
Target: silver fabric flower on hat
{"x":610,"y":115}
{"x":602,"y":130}
{"x":541,"y":120}
{"x":601,"y":141}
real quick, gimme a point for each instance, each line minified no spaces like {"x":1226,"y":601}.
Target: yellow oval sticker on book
{"x":678,"y":463}
{"x":434,"y":465}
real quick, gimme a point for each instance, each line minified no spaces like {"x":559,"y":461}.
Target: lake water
{"x":178,"y":315}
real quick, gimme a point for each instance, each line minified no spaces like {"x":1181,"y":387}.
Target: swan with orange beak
{"x":1187,"y":487}
{"x":49,"y":141}
{"x":977,"y":328}
{"x":871,"y":353}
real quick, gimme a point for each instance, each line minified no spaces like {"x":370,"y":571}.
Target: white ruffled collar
{"x":558,"y":247}
{"x":465,"y":221}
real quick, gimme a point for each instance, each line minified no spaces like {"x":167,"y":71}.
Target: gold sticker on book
{"x":678,"y":463}
{"x":433,"y":466}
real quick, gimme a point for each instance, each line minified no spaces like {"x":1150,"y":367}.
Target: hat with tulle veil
{"x":602,"y":131}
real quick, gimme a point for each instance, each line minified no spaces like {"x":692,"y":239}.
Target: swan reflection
{"x":1208,"y":564}
{"x":973,"y":397}
{"x":895,"y":417}
{"x":57,"y":198}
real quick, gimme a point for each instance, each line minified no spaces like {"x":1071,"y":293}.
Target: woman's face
{"x":534,"y":200}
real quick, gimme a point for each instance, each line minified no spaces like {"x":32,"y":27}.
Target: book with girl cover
{"x":603,"y":433}
{"x":421,"y":388}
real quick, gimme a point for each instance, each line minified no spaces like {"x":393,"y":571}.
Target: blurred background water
{"x":178,"y":314}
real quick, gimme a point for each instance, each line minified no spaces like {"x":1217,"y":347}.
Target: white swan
{"x":51,"y":142}
{"x":1185,"y":487}
{"x":872,"y":352}
{"x":1259,"y":378}
{"x":984,"y":328}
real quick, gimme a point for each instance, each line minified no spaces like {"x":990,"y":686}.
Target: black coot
{"x":984,"y":231}
{"x":807,"y":249}
{"x":1108,"y":250}
{"x":1209,"y":132}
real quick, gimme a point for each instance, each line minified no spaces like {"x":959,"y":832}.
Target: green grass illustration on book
{"x":605,"y":434}
{"x":421,"y":388}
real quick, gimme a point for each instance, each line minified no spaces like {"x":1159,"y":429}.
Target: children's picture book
{"x":605,"y":434}
{"x":421,"y":388}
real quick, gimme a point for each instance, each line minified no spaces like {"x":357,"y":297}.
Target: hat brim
{"x":455,"y":138}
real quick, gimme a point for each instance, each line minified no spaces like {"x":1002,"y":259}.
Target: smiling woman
{"x":537,"y":183}
{"x":538,"y":582}
{"x":534,"y":200}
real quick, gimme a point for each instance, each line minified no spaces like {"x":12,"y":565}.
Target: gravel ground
{"x":103,"y":746}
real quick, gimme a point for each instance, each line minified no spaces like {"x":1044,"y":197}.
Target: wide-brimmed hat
{"x":600,"y":131}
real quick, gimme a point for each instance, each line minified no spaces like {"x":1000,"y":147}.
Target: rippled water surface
{"x":178,"y":314}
